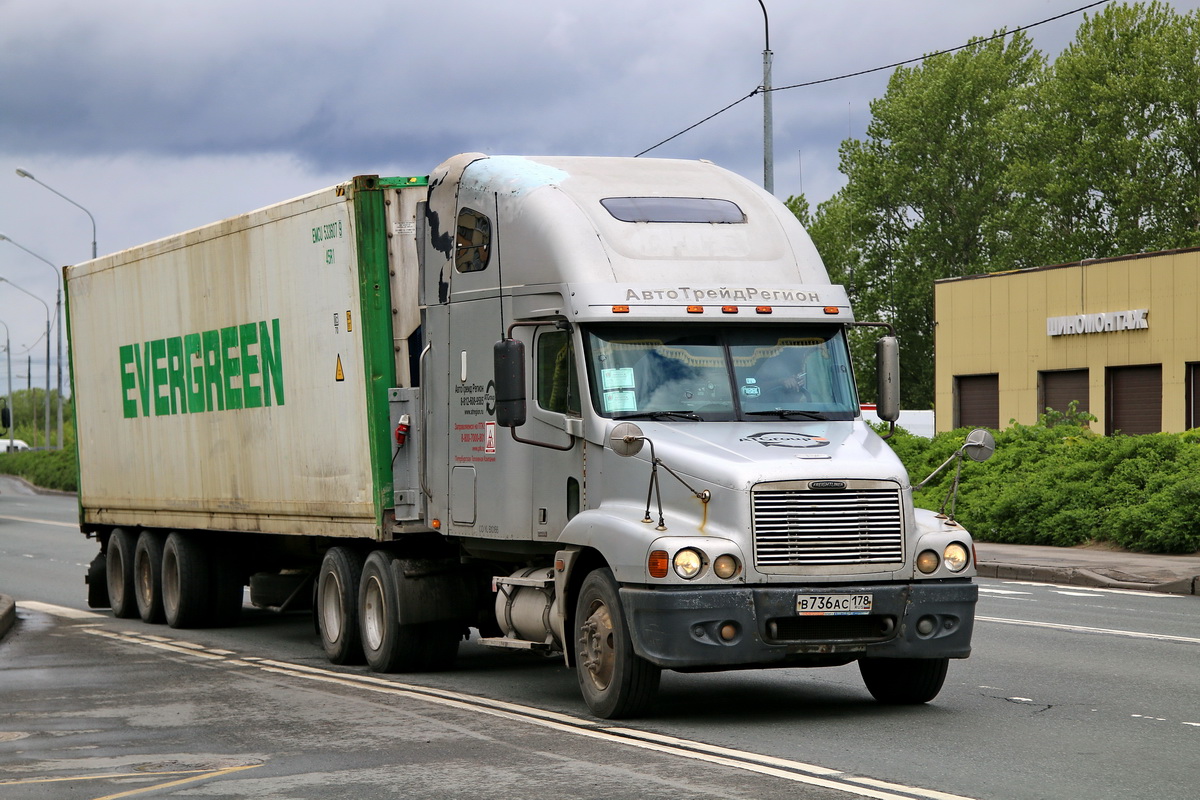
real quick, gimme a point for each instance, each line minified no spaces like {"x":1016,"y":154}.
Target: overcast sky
{"x":158,"y":116}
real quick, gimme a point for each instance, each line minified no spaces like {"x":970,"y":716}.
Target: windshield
{"x":692,"y":372}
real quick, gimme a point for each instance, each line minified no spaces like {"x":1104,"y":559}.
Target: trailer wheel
{"x":903,"y":681}
{"x":147,"y":576}
{"x":616,"y":682}
{"x":390,"y":643}
{"x":336,"y":606}
{"x":119,"y":575}
{"x":186,"y":581}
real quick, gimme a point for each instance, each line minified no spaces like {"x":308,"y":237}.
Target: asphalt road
{"x":1070,"y":693}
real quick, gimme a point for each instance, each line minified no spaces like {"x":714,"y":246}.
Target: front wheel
{"x":903,"y":681}
{"x":616,"y":682}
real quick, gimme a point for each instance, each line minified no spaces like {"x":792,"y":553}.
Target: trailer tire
{"x":389,"y":643}
{"x":336,"y":605}
{"x":119,"y":574}
{"x":147,"y":576}
{"x":186,"y":582}
{"x":616,"y":682}
{"x":903,"y":681}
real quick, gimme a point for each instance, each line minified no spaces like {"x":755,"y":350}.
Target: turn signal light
{"x":659,"y":564}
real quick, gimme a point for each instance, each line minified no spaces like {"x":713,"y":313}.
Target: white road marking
{"x":1162,"y":637}
{"x":74,"y":525}
{"x":994,"y":590}
{"x":57,"y":611}
{"x":785,"y":769}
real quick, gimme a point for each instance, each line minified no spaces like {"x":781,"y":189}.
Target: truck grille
{"x":801,"y":527}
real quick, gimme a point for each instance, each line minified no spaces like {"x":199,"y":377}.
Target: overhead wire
{"x":972,"y":43}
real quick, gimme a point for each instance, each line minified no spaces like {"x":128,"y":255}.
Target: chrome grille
{"x":806,"y":528}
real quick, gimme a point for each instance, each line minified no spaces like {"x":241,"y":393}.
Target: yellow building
{"x":1121,"y":336}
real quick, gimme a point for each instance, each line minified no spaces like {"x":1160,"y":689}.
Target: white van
{"x":12,"y":445}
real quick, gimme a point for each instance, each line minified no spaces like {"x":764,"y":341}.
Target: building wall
{"x":997,"y":324}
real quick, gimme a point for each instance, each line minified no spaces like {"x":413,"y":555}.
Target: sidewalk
{"x":1098,"y":567}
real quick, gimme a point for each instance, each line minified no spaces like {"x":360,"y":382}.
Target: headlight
{"x":726,"y":567}
{"x":688,"y":563}
{"x":928,"y":562}
{"x":956,"y":557}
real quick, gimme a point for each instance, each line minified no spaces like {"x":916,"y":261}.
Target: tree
{"x":923,"y":190}
{"x":1112,"y":162}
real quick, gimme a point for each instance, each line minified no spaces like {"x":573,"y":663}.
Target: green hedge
{"x":1063,"y":485}
{"x":50,"y":469}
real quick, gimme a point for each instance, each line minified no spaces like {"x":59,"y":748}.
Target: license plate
{"x":818,"y":604}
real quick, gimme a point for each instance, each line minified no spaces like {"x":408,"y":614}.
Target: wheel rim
{"x":170,"y":582}
{"x":116,"y":578}
{"x":145,"y":580}
{"x":331,"y":606}
{"x":374,"y":612}
{"x":597,"y":652}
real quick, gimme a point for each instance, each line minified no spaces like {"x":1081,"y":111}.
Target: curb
{"x":8,"y":614}
{"x":1079,"y":576}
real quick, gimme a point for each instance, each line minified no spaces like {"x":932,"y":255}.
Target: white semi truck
{"x":596,"y":407}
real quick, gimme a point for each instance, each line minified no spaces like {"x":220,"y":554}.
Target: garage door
{"x":1060,"y":388}
{"x":977,"y":401}
{"x":1134,"y":399}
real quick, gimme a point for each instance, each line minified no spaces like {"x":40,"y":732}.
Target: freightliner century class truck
{"x":596,"y":407}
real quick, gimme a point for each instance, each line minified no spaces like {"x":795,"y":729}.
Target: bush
{"x":50,"y":469}
{"x":1057,"y":483}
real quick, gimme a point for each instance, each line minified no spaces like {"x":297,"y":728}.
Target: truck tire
{"x":903,"y":681}
{"x":119,"y":574}
{"x":186,"y":582}
{"x":616,"y":682}
{"x":389,"y":642}
{"x":147,"y":577}
{"x":336,"y":605}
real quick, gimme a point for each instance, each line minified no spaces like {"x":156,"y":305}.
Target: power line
{"x":972,"y":43}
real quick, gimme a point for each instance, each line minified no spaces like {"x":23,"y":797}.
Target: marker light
{"x":695,"y":309}
{"x":620,"y":309}
{"x":831,"y":310}
{"x":658,"y":564}
{"x":729,"y":309}
{"x":763,"y":310}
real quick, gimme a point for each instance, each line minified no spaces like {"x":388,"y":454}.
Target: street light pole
{"x":768,"y":122}
{"x":22,"y":173}
{"x":12,"y":420}
{"x":58,"y":313}
{"x":43,"y":302}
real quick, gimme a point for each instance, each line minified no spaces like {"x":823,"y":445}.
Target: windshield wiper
{"x":786,"y":413}
{"x":660,"y":415}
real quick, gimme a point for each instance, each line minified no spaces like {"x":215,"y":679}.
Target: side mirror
{"x":627,"y":439}
{"x":980,"y":445}
{"x":5,"y":418}
{"x":509,"y":357}
{"x":887,"y":371}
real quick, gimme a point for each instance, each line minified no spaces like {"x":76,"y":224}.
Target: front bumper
{"x":681,"y":628}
